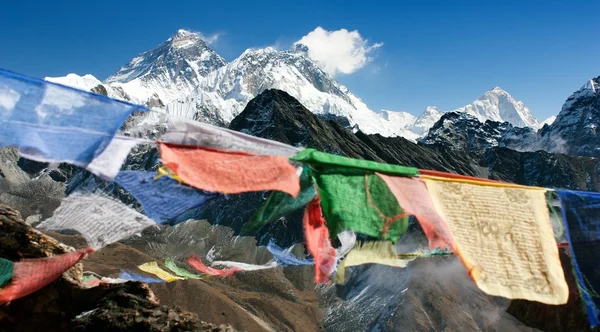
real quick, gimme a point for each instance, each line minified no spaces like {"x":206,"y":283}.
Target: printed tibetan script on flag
{"x":99,"y":219}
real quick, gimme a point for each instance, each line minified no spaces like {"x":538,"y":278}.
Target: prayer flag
{"x":101,"y":220}
{"x":414,"y":199}
{"x":317,"y":242}
{"x":361,"y":203}
{"x":504,"y":238}
{"x":280,"y":204}
{"x":198,"y":265}
{"x":164,"y":198}
{"x":31,"y":275}
{"x":50,"y":122}
{"x":187,"y":132}
{"x":152,"y":267}
{"x":170,"y":264}
{"x":230,"y":172}
{"x":581,"y":214}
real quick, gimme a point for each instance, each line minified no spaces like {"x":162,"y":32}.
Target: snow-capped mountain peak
{"x":184,"y":38}
{"x":170,"y":71}
{"x":86,"y":82}
{"x":548,"y":121}
{"x":499,"y":105}
{"x":422,"y":124}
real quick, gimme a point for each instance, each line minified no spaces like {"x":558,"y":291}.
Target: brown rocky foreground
{"x":66,"y":305}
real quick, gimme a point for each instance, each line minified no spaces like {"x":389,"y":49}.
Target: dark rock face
{"x":62,"y":305}
{"x":575,"y":129}
{"x":463,"y":132}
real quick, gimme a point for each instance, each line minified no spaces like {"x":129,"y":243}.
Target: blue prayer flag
{"x":581,"y":214}
{"x":164,"y":198}
{"x":50,"y":122}
{"x":126,"y":275}
{"x":286,"y":258}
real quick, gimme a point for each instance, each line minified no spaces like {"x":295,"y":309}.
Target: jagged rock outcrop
{"x":67,"y":305}
{"x":464,"y":132}
{"x":575,"y":129}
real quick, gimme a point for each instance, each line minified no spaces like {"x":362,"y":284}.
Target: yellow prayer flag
{"x":152,"y":267}
{"x":505,"y":238}
{"x":380,"y":252}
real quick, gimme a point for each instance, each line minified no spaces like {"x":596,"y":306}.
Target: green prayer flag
{"x":170,"y":264}
{"x":280,"y":204}
{"x":362,"y":203}
{"x":6,"y":271}
{"x":312,"y":156}
{"x":87,"y":278}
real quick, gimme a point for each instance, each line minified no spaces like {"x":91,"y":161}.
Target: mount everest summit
{"x":184,"y":77}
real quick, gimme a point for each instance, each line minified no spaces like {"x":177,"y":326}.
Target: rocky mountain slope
{"x":68,"y":305}
{"x":574,"y":129}
{"x":573,"y":132}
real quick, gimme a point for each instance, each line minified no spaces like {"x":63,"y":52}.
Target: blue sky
{"x":442,"y":53}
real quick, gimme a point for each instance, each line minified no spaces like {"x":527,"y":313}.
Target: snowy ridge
{"x":499,"y":105}
{"x":495,"y":105}
{"x":257,"y":70}
{"x":424,"y":122}
{"x":171,"y":70}
{"x":86,"y":82}
{"x":548,"y":121}
{"x":184,"y":77}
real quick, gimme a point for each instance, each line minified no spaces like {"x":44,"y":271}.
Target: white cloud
{"x":339,"y":51}
{"x":211,"y":39}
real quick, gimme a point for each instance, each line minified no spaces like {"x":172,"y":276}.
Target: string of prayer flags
{"x":31,"y":275}
{"x":285,"y":257}
{"x":361,"y":203}
{"x":581,"y":214}
{"x":198,"y":265}
{"x":280,"y":204}
{"x":504,"y":238}
{"x":230,"y":172}
{"x":318,"y":158}
{"x":318,"y":244}
{"x":413,"y":197}
{"x":6,"y":270}
{"x":152,"y":267}
{"x":170,"y":264}
{"x":101,"y":220}
{"x":43,"y":118}
{"x":129,"y":276}
{"x":245,"y":266}
{"x":164,"y":198}
{"x":378,"y":252}
{"x":186,"y":132}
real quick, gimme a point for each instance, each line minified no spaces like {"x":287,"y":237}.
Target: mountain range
{"x":185,"y":77}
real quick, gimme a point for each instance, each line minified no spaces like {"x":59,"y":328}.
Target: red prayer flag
{"x":198,"y":265}
{"x":31,"y":275}
{"x":413,"y":197}
{"x":230,"y":172}
{"x":317,"y":241}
